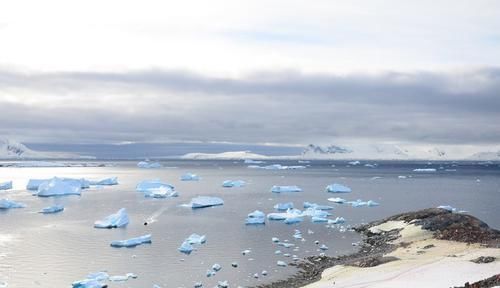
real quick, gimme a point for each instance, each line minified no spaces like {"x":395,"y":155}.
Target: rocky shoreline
{"x":444,"y":225}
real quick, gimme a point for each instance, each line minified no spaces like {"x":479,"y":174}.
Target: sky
{"x":267,"y":72}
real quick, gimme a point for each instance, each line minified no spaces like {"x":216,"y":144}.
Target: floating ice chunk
{"x":256,"y":217}
{"x":120,"y":278}
{"x":148,"y":164}
{"x":297,"y":234}
{"x":8,"y":204}
{"x":99,"y":276}
{"x":216,"y":267}
{"x":34,"y":183}
{"x":211,"y":273}
{"x":190,"y":177}
{"x":196,"y":285}
{"x":323,"y":247}
{"x":105,"y":181}
{"x":312,"y":212}
{"x":277,"y":167}
{"x":250,"y":161}
{"x":275,"y":239}
{"x":205,"y":201}
{"x":59,"y":187}
{"x":283,"y":206}
{"x":317,"y":219}
{"x":402,"y":177}
{"x":360,"y":203}
{"x":117,"y":220}
{"x":279,"y":189}
{"x":286,"y":245}
{"x":338,"y":220}
{"x":447,"y":207}
{"x":277,"y":216}
{"x":52,"y":209}
{"x":187,"y":246}
{"x":338,"y":188}
{"x":337,"y":200}
{"x":424,"y":170}
{"x":354,"y":163}
{"x":293,"y":219}
{"x":6,"y":185}
{"x":163,"y":192}
{"x":93,"y":280}
{"x":233,"y":183}
{"x":245,"y":252}
{"x":281,"y":263}
{"x":370,"y":165}
{"x":317,"y":206}
{"x":152,"y":185}
{"x":132,"y":242}
{"x":375,"y":178}
{"x":222,"y":284}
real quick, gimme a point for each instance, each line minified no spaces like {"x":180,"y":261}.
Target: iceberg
{"x":93,"y":280}
{"x":52,"y":209}
{"x":34,"y":184}
{"x":338,"y":220}
{"x":223,"y":284}
{"x":216,"y":267}
{"x":293,"y":219}
{"x":117,"y":220}
{"x":8,"y":204}
{"x":6,"y":185}
{"x":360,"y":203}
{"x":250,"y":161}
{"x":205,"y":201}
{"x":354,"y":163}
{"x":190,"y":177}
{"x":316,"y":206}
{"x":338,"y":188}
{"x":122,"y":277}
{"x":233,"y":183}
{"x":283,"y":206}
{"x":132,"y":242}
{"x":281,"y":263}
{"x":277,"y":167}
{"x":279,"y":189}
{"x":256,"y":217}
{"x":149,"y":165}
{"x":105,"y":181}
{"x":337,"y":200}
{"x":59,"y":187}
{"x":424,"y":170}
{"x":186,"y":248}
{"x":152,"y":185}
{"x":187,"y":245}
{"x":312,"y":212}
{"x":161,"y":193}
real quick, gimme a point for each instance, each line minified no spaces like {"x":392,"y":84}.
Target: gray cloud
{"x":284,"y":107}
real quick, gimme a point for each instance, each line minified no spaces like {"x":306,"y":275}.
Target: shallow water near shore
{"x":55,"y":250}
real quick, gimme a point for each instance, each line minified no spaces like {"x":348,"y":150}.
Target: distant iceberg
{"x":256,"y":217}
{"x":149,"y":165}
{"x":106,"y":181}
{"x":33,"y":184}
{"x":6,"y":185}
{"x":161,"y":193}
{"x":205,"y":201}
{"x":52,"y":209}
{"x":424,"y":170}
{"x":233,"y":183}
{"x":8,"y":204}
{"x":190,"y":177}
{"x":59,"y":187}
{"x":132,"y":242}
{"x":279,"y":189}
{"x":360,"y":203}
{"x":354,"y":163}
{"x":317,"y":206}
{"x":117,"y":220}
{"x":250,"y":161}
{"x":338,"y":188}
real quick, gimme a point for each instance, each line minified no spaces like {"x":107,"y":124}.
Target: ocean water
{"x":54,"y":250}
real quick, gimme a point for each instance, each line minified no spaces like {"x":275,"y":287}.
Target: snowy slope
{"x":10,"y":149}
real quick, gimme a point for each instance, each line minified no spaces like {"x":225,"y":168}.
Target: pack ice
{"x":117,"y":220}
{"x":6,"y":185}
{"x":338,"y":188}
{"x":279,"y":189}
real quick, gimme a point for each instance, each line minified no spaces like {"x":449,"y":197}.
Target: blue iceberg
{"x":187,"y":246}
{"x":190,"y":177}
{"x":117,"y":220}
{"x":338,"y":188}
{"x":52,"y":209}
{"x":6,"y":185}
{"x":148,"y":164}
{"x":360,"y":203}
{"x":132,"y":242}
{"x":59,"y":187}
{"x":205,"y":201}
{"x":283,"y":206}
{"x":233,"y":183}
{"x":93,"y":280}
{"x":256,"y":217}
{"x":105,"y":181}
{"x":151,"y":185}
{"x":317,"y":206}
{"x":279,"y":189}
{"x":8,"y":204}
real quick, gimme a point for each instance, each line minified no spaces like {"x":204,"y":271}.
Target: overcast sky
{"x":289,"y":72}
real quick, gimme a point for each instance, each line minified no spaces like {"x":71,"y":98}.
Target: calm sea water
{"x":54,"y":250}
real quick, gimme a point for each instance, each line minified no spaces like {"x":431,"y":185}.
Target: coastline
{"x":426,"y":248}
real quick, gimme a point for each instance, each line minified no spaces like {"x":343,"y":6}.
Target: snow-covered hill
{"x":10,"y":149}
{"x":233,"y":155}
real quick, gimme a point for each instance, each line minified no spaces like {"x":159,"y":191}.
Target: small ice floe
{"x":264,"y":273}
{"x":317,"y":206}
{"x":360,"y":203}
{"x":161,"y":193}
{"x":8,"y":204}
{"x":424,"y":170}
{"x":105,"y":181}
{"x":280,"y":189}
{"x":281,"y":263}
{"x":277,"y":167}
{"x":256,"y":217}
{"x":132,"y":242}
{"x":190,"y":177}
{"x":277,"y":252}
{"x":317,"y":219}
{"x":154,"y":184}
{"x":354,"y":163}
{"x":121,"y":278}
{"x":337,"y":200}
{"x":338,"y":220}
{"x":205,"y":201}
{"x":216,"y":267}
{"x":149,"y":164}
{"x":233,"y":183}
{"x":297,"y":234}
{"x":117,"y":220}
{"x":210,"y":273}
{"x":402,"y":177}
{"x":283,"y":206}
{"x":245,"y":252}
{"x":250,"y":161}
{"x":286,"y":244}
{"x":293,"y":219}
{"x":323,"y":247}
{"x":337,"y":188}
{"x":52,"y":209}
{"x":6,"y":185}
{"x":375,"y":178}
{"x":93,"y":280}
{"x":196,"y":285}
{"x":223,"y":284}
{"x":313,"y":212}
{"x":59,"y":187}
{"x":187,"y":246}
{"x":371,"y":165}
{"x":275,"y":239}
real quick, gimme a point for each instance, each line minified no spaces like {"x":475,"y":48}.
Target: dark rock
{"x":483,"y":259}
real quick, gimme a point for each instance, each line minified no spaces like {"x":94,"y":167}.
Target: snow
{"x":256,"y":217}
{"x":8,"y":204}
{"x":233,"y":183}
{"x":132,"y":242}
{"x":448,"y":207}
{"x":117,"y":220}
{"x":190,"y":177}
{"x":205,"y":201}
{"x":283,"y":206}
{"x":52,"y":209}
{"x":149,"y":165}
{"x":105,"y":181}
{"x":59,"y":187}
{"x":338,"y":188}
{"x":6,"y":185}
{"x":279,"y":189}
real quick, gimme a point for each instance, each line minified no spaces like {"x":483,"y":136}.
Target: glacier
{"x":132,"y":242}
{"x":338,"y":188}
{"x":279,"y":189}
{"x":205,"y":201}
{"x":117,"y":220}
{"x":59,"y":187}
{"x":8,"y":204}
{"x":6,"y":185}
{"x":52,"y":209}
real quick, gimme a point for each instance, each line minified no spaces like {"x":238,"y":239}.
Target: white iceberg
{"x":119,"y":278}
{"x":132,"y":242}
{"x":312,"y":212}
{"x":6,"y":185}
{"x":354,"y":163}
{"x":338,"y":188}
{"x":293,"y":219}
{"x":205,"y":201}
{"x":337,"y":200}
{"x":8,"y":204}
{"x":283,"y":206}
{"x":277,"y":167}
{"x":233,"y":183}
{"x":317,"y":206}
{"x":163,"y":192}
{"x":52,"y":209}
{"x":281,"y":263}
{"x":424,"y":170}
{"x":117,"y":220}
{"x":148,"y":164}
{"x":280,"y":189}
{"x":33,"y":184}
{"x":105,"y":181}
{"x":360,"y":203}
{"x":59,"y":187}
{"x":190,"y":177}
{"x":338,"y":220}
{"x":317,"y":219}
{"x":256,"y":217}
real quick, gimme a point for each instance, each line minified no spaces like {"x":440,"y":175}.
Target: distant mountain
{"x":328,"y":150}
{"x":486,"y":156}
{"x":10,"y":149}
{"x":233,"y":155}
